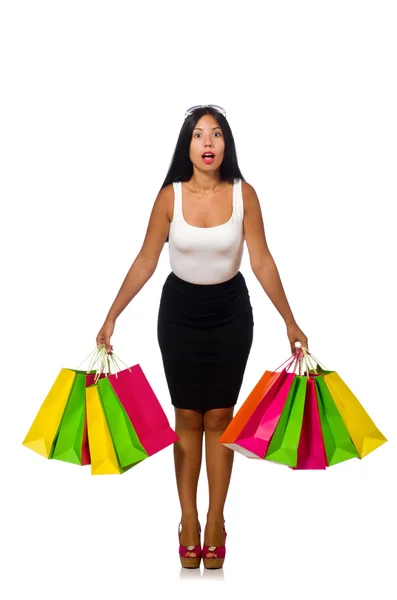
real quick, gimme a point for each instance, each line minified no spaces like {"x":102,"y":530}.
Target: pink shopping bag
{"x":256,"y":435}
{"x":311,"y":451}
{"x":143,"y":409}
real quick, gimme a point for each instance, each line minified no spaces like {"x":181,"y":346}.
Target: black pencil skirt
{"x":205,"y":334}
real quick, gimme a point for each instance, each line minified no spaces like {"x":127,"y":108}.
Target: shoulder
{"x":246,"y":187}
{"x":165,"y":198}
{"x":250,"y":198}
{"x":167,"y":191}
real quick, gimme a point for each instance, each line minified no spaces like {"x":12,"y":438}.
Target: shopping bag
{"x":71,"y":444}
{"x":126,"y":422}
{"x":59,"y":429}
{"x":363,"y":431}
{"x":104,"y":459}
{"x":113,"y":443}
{"x":142,"y":407}
{"x":338,"y":444}
{"x":127,"y":445}
{"x":254,"y":437}
{"x":68,"y":445}
{"x":283,"y":446}
{"x":311,"y":451}
{"x":240,"y":419}
{"x":43,"y":432}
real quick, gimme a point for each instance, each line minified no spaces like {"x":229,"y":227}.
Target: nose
{"x":208,"y":140}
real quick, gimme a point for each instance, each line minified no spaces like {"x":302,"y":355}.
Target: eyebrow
{"x":212,"y":128}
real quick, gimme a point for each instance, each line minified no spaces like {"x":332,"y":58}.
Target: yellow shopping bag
{"x":364,"y":433}
{"x":42,"y":436}
{"x":43,"y":431}
{"x":103,"y":456}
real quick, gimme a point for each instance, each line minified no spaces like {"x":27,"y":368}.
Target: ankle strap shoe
{"x":214,"y":562}
{"x":190,"y":556}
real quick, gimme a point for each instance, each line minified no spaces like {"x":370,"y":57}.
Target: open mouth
{"x":208,"y":157}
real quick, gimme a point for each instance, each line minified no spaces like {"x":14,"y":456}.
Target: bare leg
{"x":219,"y":462}
{"x":187,"y":458}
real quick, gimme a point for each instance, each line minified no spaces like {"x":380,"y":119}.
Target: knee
{"x":217,"y":419}
{"x":190,"y":420}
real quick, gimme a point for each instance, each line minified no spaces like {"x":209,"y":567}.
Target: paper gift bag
{"x":103,"y":454}
{"x":131,"y":424}
{"x":71,"y":443}
{"x":338,"y":444}
{"x":143,"y":409}
{"x":363,"y":431}
{"x":311,"y":451}
{"x":240,"y":419}
{"x":63,"y":412}
{"x":42,"y":434}
{"x":127,"y":445}
{"x":109,"y":455}
{"x":255,"y":435}
{"x":283,"y":446}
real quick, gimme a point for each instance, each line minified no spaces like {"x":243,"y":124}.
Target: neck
{"x":205,"y":182}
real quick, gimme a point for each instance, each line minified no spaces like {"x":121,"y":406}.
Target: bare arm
{"x":261,"y":260}
{"x":144,"y":264}
{"x":263,"y":265}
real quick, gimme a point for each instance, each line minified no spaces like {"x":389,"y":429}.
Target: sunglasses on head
{"x":193,"y":108}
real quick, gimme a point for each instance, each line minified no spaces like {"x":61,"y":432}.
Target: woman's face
{"x":207,"y":136}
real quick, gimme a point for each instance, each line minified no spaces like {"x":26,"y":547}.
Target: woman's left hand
{"x":295,"y":334}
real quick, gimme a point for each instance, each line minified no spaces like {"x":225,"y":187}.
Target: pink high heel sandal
{"x":185,"y":552}
{"x":215,"y":562}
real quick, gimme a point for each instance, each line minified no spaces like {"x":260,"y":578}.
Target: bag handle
{"x":99,"y":357}
{"x":305,"y":358}
{"x":95,"y":351}
{"x":104,"y":363}
{"x":289,"y":360}
{"x":98,"y":352}
{"x":312,"y":365}
{"x":114,"y":357}
{"x":99,"y":362}
{"x":116,"y":365}
{"x":309,"y":354}
{"x":297,"y":360}
{"x":109,"y":360}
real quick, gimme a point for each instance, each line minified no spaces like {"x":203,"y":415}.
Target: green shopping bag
{"x":69,"y":443}
{"x":337,"y":441}
{"x":283,"y":447}
{"x":126,"y":443}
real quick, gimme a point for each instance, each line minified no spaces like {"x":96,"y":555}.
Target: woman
{"x":205,"y":321}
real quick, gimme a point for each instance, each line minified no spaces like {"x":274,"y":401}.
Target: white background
{"x":93,"y":97}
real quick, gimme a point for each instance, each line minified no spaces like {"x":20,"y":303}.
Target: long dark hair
{"x":181,"y":167}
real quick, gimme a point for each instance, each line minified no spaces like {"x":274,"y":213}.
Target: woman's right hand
{"x":105,"y":334}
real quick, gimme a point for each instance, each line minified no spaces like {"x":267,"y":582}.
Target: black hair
{"x":181,"y":167}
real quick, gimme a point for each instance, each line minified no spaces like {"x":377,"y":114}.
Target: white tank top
{"x":206,"y":255}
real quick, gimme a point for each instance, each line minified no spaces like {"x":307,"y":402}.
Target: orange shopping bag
{"x":241,"y":434}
